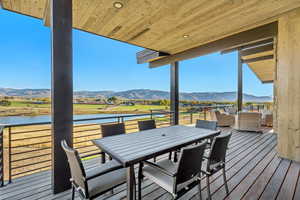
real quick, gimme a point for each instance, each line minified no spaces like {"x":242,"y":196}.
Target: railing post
{"x":1,"y":157}
{"x":171,"y":118}
{"x":191,"y":118}
{"x":151,"y":113}
{"x":9,"y":155}
{"x":204,"y":113}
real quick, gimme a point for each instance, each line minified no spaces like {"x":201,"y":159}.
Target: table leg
{"x":131,"y":193}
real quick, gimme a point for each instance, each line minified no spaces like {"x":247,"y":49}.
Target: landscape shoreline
{"x":75,"y":113}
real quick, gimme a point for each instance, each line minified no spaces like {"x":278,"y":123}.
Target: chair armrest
{"x":103,"y":171}
{"x":205,"y":172}
{"x":163,"y":170}
{"x":92,"y":154}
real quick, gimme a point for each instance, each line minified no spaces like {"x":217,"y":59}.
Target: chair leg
{"x":208,"y":187}
{"x":225,"y":181}
{"x":139,"y":189}
{"x":102,"y":158}
{"x":175,"y":156}
{"x":154,"y":159}
{"x":140,"y":178}
{"x":199,"y":187}
{"x":170,"y":156}
{"x":73,"y":193}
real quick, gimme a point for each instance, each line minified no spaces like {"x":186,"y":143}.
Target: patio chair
{"x":248,"y":121}
{"x":212,"y":125}
{"x":111,"y":130}
{"x":176,"y":178}
{"x":216,"y":160}
{"x":147,"y":125}
{"x":267,"y":118}
{"x":92,"y":183}
{"x":223,"y":119}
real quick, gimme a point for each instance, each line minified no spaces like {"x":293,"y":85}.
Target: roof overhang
{"x":171,"y":26}
{"x":261,"y":60}
{"x":174,"y":30}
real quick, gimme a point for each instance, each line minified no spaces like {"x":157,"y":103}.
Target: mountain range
{"x":138,"y":94}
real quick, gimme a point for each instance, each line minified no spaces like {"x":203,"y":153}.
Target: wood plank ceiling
{"x":162,"y":24}
{"x":262,"y":64}
{"x":170,"y":26}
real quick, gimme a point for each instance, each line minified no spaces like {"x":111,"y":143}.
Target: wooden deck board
{"x":273,"y":187}
{"x":289,"y":185}
{"x":253,"y":169}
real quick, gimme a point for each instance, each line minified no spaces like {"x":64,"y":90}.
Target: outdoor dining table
{"x":130,"y":149}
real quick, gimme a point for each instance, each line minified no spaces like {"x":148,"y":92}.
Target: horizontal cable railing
{"x":26,"y":148}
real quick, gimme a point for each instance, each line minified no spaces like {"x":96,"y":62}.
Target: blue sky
{"x":104,"y":64}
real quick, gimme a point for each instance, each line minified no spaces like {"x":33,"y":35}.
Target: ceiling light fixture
{"x":185,"y":36}
{"x":118,"y":5}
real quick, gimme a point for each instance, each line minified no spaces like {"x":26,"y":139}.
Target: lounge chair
{"x":223,"y":119}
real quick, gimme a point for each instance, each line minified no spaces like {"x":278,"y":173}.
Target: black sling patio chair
{"x":212,"y":125}
{"x":216,"y":160}
{"x":111,"y":130}
{"x":176,"y":178}
{"x":146,"y":124}
{"x":92,"y":183}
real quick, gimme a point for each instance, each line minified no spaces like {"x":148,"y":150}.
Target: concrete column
{"x":288,"y":85}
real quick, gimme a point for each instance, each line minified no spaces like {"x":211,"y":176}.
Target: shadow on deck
{"x":253,"y":169}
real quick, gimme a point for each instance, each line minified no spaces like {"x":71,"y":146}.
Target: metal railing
{"x":26,"y":148}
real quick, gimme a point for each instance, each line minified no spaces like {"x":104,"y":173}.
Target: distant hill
{"x":138,"y":94}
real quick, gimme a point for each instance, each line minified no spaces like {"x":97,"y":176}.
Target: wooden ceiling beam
{"x":255,"y":50}
{"x":148,"y":55}
{"x":46,"y":17}
{"x":264,"y":32}
{"x":252,"y":45}
{"x":250,"y":60}
{"x":270,"y":81}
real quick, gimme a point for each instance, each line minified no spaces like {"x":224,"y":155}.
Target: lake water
{"x":47,"y":118}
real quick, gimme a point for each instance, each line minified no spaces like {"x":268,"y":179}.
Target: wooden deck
{"x":253,"y":168}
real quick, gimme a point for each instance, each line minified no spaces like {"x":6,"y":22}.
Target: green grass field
{"x":28,"y":108}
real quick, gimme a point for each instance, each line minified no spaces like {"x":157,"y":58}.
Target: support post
{"x":240,"y":83}
{"x":287,"y":82}
{"x":62,"y":91}
{"x":174,"y":97}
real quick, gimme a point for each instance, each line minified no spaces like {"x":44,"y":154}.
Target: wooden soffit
{"x":264,"y":70}
{"x":169,"y":26}
{"x":261,"y":61}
